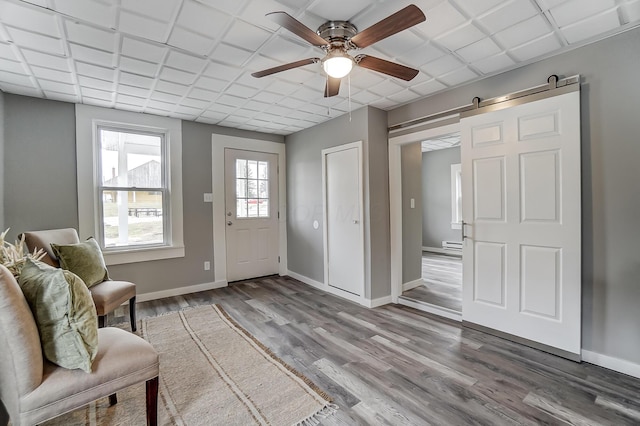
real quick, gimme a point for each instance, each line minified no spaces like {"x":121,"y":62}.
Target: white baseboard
{"x":615,"y":364}
{"x":412,"y":284}
{"x":432,"y":309}
{"x":179,"y":291}
{"x":442,"y":251}
{"x":369,"y":303}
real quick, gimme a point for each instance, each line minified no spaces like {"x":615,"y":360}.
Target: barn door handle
{"x":462,"y":231}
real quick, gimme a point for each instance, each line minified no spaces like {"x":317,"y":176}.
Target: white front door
{"x":344,"y":232}
{"x":251,"y":201}
{"x":521,"y":203}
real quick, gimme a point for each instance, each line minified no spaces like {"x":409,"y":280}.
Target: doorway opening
{"x":439,"y":288}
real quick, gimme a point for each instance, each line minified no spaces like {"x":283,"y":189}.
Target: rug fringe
{"x":323,"y":413}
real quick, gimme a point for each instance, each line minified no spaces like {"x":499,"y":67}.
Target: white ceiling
{"x":193,"y":59}
{"x":441,"y":142}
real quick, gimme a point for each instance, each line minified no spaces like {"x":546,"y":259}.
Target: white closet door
{"x":521,"y":203}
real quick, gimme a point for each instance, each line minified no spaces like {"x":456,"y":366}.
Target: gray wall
{"x":40,"y":143}
{"x":411,"y":159}
{"x":1,"y":169}
{"x":436,"y":201}
{"x":304,"y":195}
{"x":610,"y":103}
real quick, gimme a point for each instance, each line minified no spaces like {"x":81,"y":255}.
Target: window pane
{"x":132,"y":218}
{"x":241,"y":207}
{"x":241,"y":188}
{"x":263,"y":170}
{"x":253,"y":207}
{"x":263,"y":210}
{"x":241,"y":168}
{"x":252,"y":188}
{"x":252,"y":169}
{"x":263,"y":189}
{"x":130,"y":159}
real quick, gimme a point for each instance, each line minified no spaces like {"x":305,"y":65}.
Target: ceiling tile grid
{"x":193,"y":59}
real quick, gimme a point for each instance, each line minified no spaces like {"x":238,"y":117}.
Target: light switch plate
{"x":208,"y":197}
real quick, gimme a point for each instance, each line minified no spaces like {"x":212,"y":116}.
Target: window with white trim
{"x":129,"y":169}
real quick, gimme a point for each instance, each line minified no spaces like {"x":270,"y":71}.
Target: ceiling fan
{"x":336,"y":38}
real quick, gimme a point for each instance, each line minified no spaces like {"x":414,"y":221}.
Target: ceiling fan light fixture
{"x":337,"y":64}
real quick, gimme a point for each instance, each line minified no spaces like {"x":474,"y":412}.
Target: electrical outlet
{"x":208,"y":197}
{"x":207,"y":265}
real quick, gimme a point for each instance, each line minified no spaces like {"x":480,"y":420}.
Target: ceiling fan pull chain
{"x":349,"y":81}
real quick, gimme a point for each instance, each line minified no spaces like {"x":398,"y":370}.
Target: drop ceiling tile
{"x":339,"y":9}
{"x":45,"y":60}
{"x":400,"y":43}
{"x":313,"y":93}
{"x":210,"y":84}
{"x":190,"y":41}
{"x":135,"y":66}
{"x":293,"y":103}
{"x":478,"y":50}
{"x":256,"y":11}
{"x":188,"y":110}
{"x":247,"y":36}
{"x":460,"y":37}
{"x":428,"y":87}
{"x":404,"y":96}
{"x":141,"y":50}
{"x":222,"y":71}
{"x":364,"y":97}
{"x":386,"y":88}
{"x":458,"y":76}
{"x":220,"y":108}
{"x":19,"y":89}
{"x":477,"y":7}
{"x":29,"y":18}
{"x":89,"y":10}
{"x":54,"y":75}
{"x":95,"y":71}
{"x":231,"y":55}
{"x":177,"y":76}
{"x":185,"y":62}
{"x":632,"y":10}
{"x":97,"y":94}
{"x":511,"y":13}
{"x":143,"y":26}
{"x":259,"y":63}
{"x":202,"y":19}
{"x":442,"y":66}
{"x":241,"y":91}
{"x":282,"y":88}
{"x":174,"y":88}
{"x":203,"y":94}
{"x":163,"y":106}
{"x":248,"y":80}
{"x":363,"y":78}
{"x":35,"y":41}
{"x":64,"y":97}
{"x":6,"y":52}
{"x":90,"y":36}
{"x":127,"y":107}
{"x":136,"y":80}
{"x":183,"y":116}
{"x":285,"y":51}
{"x":384,"y":104}
{"x":95,"y":83}
{"x":536,"y":48}
{"x":11,"y":66}
{"x":548,"y":4}
{"x":165,"y":97}
{"x":440,"y":19}
{"x":97,"y":102}
{"x":523,"y":32}
{"x":422,"y":55}
{"x":591,"y":27}
{"x":230,"y":7}
{"x":494,"y":63}
{"x":158,"y":9}
{"x":577,"y":10}
{"x":197,"y":103}
{"x":17,"y":79}
{"x":88,"y":54}
{"x":133,"y":91}
{"x":302,"y":75}
{"x":254,"y":105}
{"x":56,"y":86}
{"x":157,"y":111}
{"x":268,"y":97}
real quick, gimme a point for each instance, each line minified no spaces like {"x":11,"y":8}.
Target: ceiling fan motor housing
{"x":337,"y":33}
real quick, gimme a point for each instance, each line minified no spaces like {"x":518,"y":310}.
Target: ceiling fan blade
{"x":399,"y":21}
{"x":285,"y":67}
{"x":386,"y":67}
{"x":298,"y":28}
{"x":332,"y":88}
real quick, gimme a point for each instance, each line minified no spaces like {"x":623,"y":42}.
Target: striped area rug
{"x":212,"y":372}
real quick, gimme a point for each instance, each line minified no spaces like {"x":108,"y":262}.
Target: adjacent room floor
{"x":442,"y":282}
{"x":395,"y":365}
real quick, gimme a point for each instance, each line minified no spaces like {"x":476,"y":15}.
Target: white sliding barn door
{"x":521,"y":204}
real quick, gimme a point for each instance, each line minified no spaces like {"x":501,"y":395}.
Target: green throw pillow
{"x":83,"y":259}
{"x":64,"y":312}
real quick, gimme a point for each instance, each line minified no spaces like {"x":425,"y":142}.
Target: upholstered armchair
{"x":107,"y":295}
{"x":35,"y":390}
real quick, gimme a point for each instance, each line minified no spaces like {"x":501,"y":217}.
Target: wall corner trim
{"x":380,"y":301}
{"x":179,"y":291}
{"x":612,"y":363}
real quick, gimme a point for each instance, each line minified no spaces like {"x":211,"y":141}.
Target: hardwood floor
{"x":394,"y":365}
{"x":442,"y":276}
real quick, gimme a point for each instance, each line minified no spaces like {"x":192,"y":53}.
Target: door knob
{"x":229,"y":223}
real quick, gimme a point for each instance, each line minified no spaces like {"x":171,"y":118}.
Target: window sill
{"x":120,"y":257}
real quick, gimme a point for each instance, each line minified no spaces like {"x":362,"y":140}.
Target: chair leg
{"x":152,"y":402}
{"x":102,"y":321}
{"x":132,"y":313}
{"x":113,"y":399}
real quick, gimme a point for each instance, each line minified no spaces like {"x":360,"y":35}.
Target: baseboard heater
{"x":452,"y":246}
